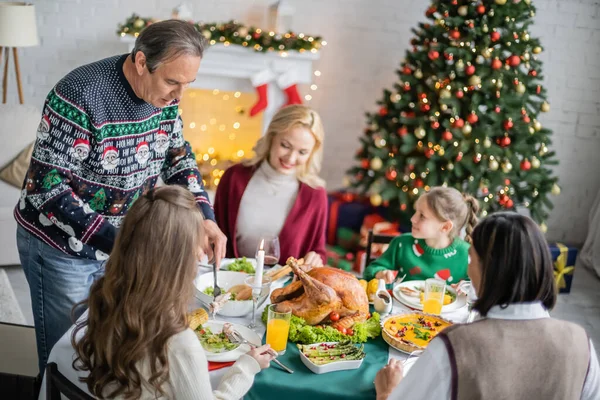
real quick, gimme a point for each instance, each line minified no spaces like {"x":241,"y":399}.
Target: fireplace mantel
{"x":229,"y":68}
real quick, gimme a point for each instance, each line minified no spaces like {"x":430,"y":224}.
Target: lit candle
{"x":260,"y":263}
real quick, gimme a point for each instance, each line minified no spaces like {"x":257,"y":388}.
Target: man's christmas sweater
{"x":98,"y":148}
{"x":418,"y":261}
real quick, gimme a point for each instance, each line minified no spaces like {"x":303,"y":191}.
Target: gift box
{"x":564,"y":258}
{"x":360,"y":262}
{"x":339,"y":257}
{"x":348,"y":239}
{"x":379,"y":226}
{"x":346,"y":210}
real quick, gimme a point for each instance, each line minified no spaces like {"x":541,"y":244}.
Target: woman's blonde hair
{"x":142,"y":299}
{"x":449,"y":204}
{"x":288,"y":118}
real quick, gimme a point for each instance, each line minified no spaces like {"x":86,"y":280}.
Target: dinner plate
{"x":227,"y":261}
{"x":233,"y":355}
{"x":413,"y":302}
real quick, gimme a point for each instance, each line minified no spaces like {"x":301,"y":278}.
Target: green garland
{"x":235,"y":33}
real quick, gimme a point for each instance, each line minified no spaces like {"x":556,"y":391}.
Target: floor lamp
{"x":17,"y":29}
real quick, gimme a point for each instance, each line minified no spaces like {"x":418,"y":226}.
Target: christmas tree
{"x":52,"y":178}
{"x":98,"y":202}
{"x":463,"y":113}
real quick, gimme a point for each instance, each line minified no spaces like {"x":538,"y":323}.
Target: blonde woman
{"x":134,"y":342}
{"x":278,"y":192}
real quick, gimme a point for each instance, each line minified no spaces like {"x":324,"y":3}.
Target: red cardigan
{"x":303,"y":230}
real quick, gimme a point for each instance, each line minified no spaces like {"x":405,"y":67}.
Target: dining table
{"x":275,"y":383}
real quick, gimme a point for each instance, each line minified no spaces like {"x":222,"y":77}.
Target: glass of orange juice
{"x":278,"y":328}
{"x":434,"y":296}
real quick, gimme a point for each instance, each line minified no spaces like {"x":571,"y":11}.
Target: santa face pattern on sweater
{"x":99,"y":147}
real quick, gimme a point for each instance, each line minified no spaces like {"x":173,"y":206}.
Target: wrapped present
{"x":359,"y":262}
{"x":564,"y":258}
{"x":348,"y":239}
{"x":338,"y":257}
{"x":346,"y":210}
{"x":379,"y":226}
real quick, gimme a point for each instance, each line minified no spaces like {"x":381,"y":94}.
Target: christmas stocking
{"x":288,"y":83}
{"x":260,"y":81}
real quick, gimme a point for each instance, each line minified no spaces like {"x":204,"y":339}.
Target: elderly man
{"x":108,"y":131}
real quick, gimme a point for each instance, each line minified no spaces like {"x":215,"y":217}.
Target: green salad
{"x":211,"y":292}
{"x":241,"y":265}
{"x":301,"y":332}
{"x":214,"y":342}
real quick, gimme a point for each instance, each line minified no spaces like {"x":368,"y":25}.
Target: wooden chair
{"x":374,"y":238}
{"x":57,"y":384}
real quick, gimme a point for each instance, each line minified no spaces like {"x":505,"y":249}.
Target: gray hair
{"x":165,"y":40}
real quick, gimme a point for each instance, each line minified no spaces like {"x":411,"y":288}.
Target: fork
{"x":415,"y":353}
{"x":236,"y":338}
{"x":398,"y":281}
{"x":217,"y":289}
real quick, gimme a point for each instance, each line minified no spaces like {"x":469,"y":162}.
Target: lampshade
{"x":17,"y":25}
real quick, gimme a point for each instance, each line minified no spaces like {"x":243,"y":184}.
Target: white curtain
{"x":590,"y":254}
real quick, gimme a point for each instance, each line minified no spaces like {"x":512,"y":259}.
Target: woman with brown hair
{"x":134,"y":341}
{"x":516,"y":351}
{"x":278,"y":192}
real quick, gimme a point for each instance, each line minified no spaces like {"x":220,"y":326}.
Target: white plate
{"x":233,"y":355}
{"x":413,"y":302}
{"x":226,"y":261}
{"x":332,"y":366}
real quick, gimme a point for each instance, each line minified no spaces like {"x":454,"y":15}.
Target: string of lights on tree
{"x":236,"y":33}
{"x":463,"y":113}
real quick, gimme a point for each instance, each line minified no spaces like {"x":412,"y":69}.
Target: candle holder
{"x":257,"y":289}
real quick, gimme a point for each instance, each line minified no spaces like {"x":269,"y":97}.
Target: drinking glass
{"x":256,"y":292}
{"x":271,"y":249}
{"x":278,"y":328}
{"x":434,"y":296}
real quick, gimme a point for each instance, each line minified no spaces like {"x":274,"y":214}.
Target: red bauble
{"x":504,"y":141}
{"x":513,"y":61}
{"x":435,"y":124}
{"x":383,"y":111}
{"x":409,"y":114}
{"x":419,"y":183}
{"x":526,"y":119}
{"x":406,"y":87}
{"x":502,"y":199}
{"x":497,"y":109}
{"x":485,"y":190}
{"x":454,"y":34}
{"x":525,"y":165}
{"x":386,"y":203}
{"x":477,"y":158}
{"x":472,"y":118}
{"x":429,"y":153}
{"x":403,"y":207}
{"x":430,"y":11}
{"x":449,"y":56}
{"x":459,"y":156}
{"x":425,"y":107}
{"x":470,"y":70}
{"x":538,"y":89}
{"x":406,"y":70}
{"x":507,"y":182}
{"x":256,"y":35}
{"x":447,"y":135}
{"x":460,"y":94}
{"x":508,"y":124}
{"x":481,"y":9}
{"x":533,"y":72}
{"x":458,"y":123}
{"x":495,"y":36}
{"x":391,"y":174}
{"x":496,"y":64}
{"x":422,"y":96}
{"x":454,"y":2}
{"x":402,"y":131}
{"x":433,"y":55}
{"x":509,"y":203}
{"x":471,"y":25}
{"x":364,"y":163}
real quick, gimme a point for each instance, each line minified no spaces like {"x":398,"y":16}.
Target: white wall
{"x":367,"y":39}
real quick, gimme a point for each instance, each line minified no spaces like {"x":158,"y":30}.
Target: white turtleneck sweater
{"x":264,"y":207}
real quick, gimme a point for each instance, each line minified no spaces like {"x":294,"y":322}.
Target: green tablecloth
{"x":275,"y":383}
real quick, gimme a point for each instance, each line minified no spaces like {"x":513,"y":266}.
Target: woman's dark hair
{"x":516,"y":265}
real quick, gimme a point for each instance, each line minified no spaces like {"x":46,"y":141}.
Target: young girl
{"x":516,"y":351}
{"x":433,"y":248}
{"x":278,"y":192}
{"x":134,"y":341}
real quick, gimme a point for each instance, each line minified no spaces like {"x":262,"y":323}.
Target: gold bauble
{"x":467,"y":129}
{"x":537,"y":125}
{"x":521,"y":88}
{"x":445,"y":94}
{"x":206,"y":33}
{"x":543,"y":150}
{"x":463,"y":10}
{"x":487,"y":143}
{"x":418,"y":74}
{"x":474,"y":80}
{"x":555,"y":190}
{"x":487,"y":53}
{"x":535,"y":163}
{"x":507,"y":167}
{"x":138,"y":23}
{"x":376,"y":163}
{"x":450,"y":166}
{"x":528,"y":2}
{"x":443,"y":107}
{"x":380,"y":142}
{"x":420,"y":133}
{"x":545,"y":107}
{"x":537,"y":50}
{"x":531,"y":130}
{"x":460,"y":64}
{"x":494,"y":165}
{"x":500,"y":2}
{"x":346,"y":181}
{"x":543,"y":227}
{"x":396,"y":97}
{"x":376,"y":199}
{"x":485,"y":28}
{"x":499,"y":84}
{"x":525,"y":36}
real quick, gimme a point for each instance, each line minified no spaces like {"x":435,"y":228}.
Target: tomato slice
{"x":334,"y":316}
